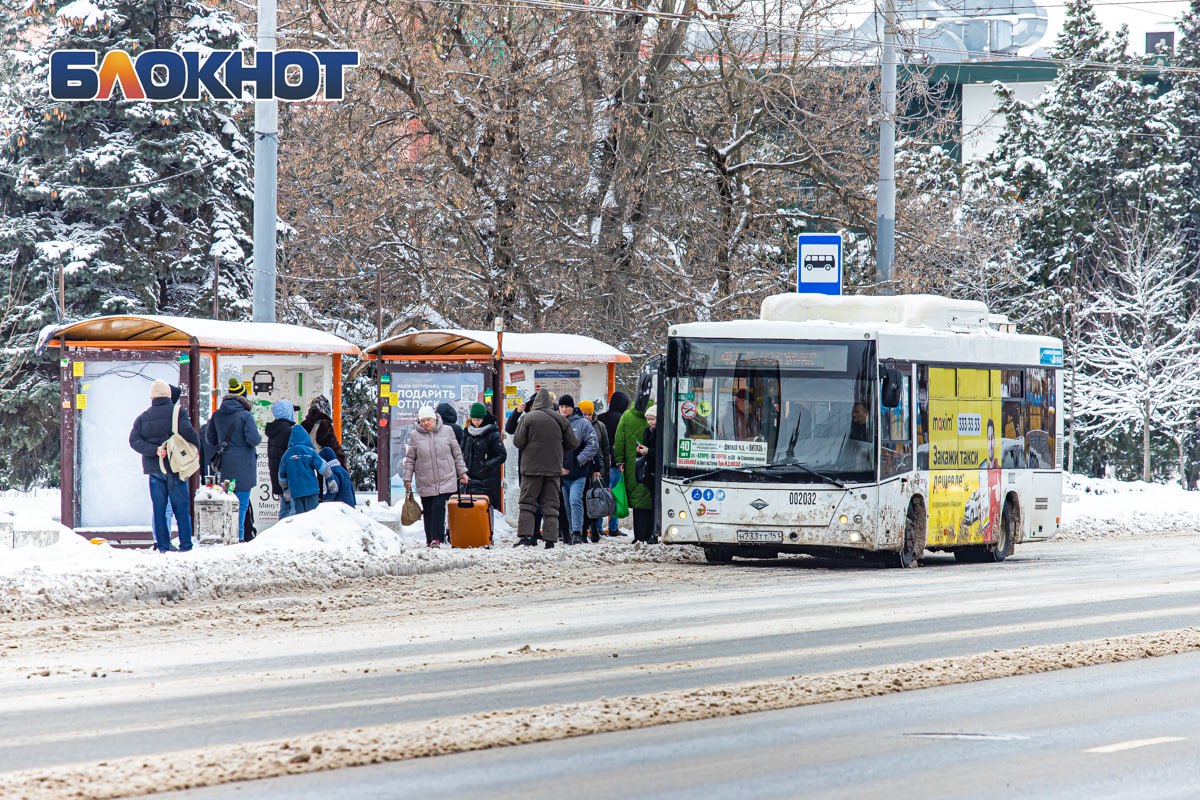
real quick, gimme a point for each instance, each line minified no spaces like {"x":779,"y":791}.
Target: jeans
{"x":614,"y":477}
{"x":286,"y":507}
{"x":164,"y":490}
{"x":304,"y":504}
{"x":243,"y":503}
{"x":573,"y":500}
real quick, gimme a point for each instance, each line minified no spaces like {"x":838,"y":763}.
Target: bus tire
{"x":718,"y":554}
{"x":913,"y":545}
{"x":1006,"y":542}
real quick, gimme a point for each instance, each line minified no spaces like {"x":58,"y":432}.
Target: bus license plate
{"x":760,"y":537}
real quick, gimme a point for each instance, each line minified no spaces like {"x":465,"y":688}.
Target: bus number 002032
{"x":802,"y":498}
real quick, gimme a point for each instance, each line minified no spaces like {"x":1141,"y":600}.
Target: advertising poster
{"x":266,"y":383}
{"x":410,"y":390}
{"x":964,"y":419}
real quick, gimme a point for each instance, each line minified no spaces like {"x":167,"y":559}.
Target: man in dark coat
{"x":279,"y":431}
{"x":318,"y":421}
{"x":150,"y":430}
{"x":542,"y":436}
{"x":617,"y":406}
{"x":450,"y":417}
{"x":484,"y":453}
{"x":233,"y":434}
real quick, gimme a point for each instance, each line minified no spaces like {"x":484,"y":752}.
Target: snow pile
{"x":1099,"y":508}
{"x":335,"y":525}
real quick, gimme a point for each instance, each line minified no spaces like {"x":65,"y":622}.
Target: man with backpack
{"x":153,"y":436}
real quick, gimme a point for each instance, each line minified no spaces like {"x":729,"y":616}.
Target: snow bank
{"x":1099,"y":508}
{"x":327,"y":547}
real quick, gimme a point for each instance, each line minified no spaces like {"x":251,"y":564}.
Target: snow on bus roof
{"x":258,"y":337}
{"x":515,"y":346}
{"x":925,"y":310}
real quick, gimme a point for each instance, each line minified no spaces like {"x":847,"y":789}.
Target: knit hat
{"x":236,"y":387}
{"x":282,"y":409}
{"x":566,"y":400}
{"x":652,"y":412}
{"x":321,"y":403}
{"x":160,"y":388}
{"x":426,"y":412}
{"x":478,"y":411}
{"x":587,"y":407}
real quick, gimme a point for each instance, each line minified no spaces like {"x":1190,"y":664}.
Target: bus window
{"x":1012,"y":419}
{"x":1039,"y":406}
{"x":922,"y":417}
{"x":896,"y":430}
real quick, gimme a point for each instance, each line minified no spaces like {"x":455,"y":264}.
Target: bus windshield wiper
{"x":718,"y":471}
{"x":757,"y":469}
{"x":794,"y":464}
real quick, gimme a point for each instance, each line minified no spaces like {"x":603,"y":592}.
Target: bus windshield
{"x":738,"y":404}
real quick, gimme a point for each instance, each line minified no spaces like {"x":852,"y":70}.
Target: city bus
{"x":876,"y":427}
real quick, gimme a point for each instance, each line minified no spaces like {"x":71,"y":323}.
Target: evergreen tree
{"x":127,"y":203}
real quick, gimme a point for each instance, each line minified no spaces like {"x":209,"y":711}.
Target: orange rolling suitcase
{"x":470,"y":520}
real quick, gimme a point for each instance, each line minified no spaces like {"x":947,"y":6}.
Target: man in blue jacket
{"x":150,"y":430}
{"x":577,"y":465}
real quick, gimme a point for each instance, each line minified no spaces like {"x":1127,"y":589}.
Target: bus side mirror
{"x":891,"y":389}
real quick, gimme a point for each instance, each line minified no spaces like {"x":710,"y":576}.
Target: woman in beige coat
{"x":434,"y":458}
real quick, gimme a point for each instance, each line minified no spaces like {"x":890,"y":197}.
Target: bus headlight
{"x":683,"y":515}
{"x":843,"y":519}
{"x":672,"y":532}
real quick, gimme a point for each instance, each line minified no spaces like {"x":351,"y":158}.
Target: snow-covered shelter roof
{"x":514,"y":347}
{"x":209,"y":334}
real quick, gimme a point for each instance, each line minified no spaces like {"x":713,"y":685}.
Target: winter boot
{"x":549,"y":545}
{"x":526,"y":541}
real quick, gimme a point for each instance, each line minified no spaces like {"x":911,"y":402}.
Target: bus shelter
{"x":106,"y":365}
{"x":500,"y":370}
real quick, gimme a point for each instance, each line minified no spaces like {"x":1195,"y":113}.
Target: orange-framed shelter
{"x":105,"y":364}
{"x":464,"y":366}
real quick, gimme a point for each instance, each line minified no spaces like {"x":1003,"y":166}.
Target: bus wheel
{"x":1006,"y":542}
{"x":913,"y":546}
{"x":717,"y":554}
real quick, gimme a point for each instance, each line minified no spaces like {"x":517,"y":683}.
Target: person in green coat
{"x":630,"y":429}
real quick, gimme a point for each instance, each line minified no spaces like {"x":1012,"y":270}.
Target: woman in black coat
{"x":484,"y":453}
{"x":319,"y":425}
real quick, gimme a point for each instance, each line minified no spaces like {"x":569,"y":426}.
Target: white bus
{"x":859,"y":426}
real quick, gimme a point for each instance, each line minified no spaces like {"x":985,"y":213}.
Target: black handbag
{"x":641,"y":471}
{"x":599,"y":501}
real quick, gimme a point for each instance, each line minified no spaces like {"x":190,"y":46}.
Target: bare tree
{"x":1138,"y":356}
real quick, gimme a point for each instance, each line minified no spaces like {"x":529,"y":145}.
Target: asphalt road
{"x":299,"y":670}
{"x":1126,"y":730}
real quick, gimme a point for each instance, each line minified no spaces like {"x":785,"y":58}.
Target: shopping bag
{"x":410,"y":512}
{"x":621,"y":499}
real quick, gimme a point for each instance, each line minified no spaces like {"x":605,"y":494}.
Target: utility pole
{"x":266,"y":156}
{"x":885,"y":199}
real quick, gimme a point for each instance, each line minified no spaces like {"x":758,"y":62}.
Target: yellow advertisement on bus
{"x":964,"y":455}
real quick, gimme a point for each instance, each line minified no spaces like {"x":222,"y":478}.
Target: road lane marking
{"x":1134,"y":744}
{"x":212,"y":764}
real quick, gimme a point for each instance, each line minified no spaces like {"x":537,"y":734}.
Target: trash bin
{"x":216,"y":518}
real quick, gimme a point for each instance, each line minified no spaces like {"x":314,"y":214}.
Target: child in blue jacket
{"x":298,"y":471}
{"x":340,"y":489}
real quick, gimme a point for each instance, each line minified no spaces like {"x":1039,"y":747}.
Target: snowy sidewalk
{"x":335,"y":545}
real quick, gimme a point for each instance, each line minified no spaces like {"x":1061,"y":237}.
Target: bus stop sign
{"x":819,"y":263}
